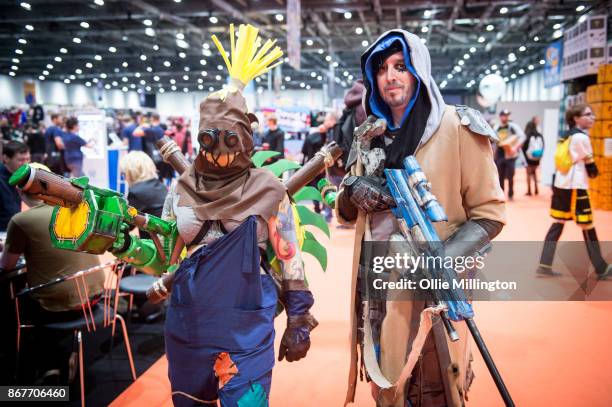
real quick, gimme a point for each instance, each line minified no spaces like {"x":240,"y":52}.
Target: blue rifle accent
{"x":417,"y":208}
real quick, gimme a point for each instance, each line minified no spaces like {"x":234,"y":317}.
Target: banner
{"x":294,"y":46}
{"x":552,"y":66}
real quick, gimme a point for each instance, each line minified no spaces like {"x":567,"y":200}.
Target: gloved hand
{"x":592,"y":170}
{"x":296,"y":339}
{"x":370,"y":194}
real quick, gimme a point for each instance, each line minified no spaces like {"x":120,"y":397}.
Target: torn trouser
{"x":220,"y":324}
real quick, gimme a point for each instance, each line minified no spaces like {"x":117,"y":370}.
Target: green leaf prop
{"x":315,"y":248}
{"x":261,"y":157}
{"x":255,"y":396}
{"x":281,"y":166}
{"x":307,"y":194}
{"x":308,"y":217}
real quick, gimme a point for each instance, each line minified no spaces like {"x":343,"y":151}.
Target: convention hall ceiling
{"x":152,"y":44}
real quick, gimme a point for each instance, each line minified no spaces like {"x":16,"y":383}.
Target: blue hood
{"x":378,"y":107}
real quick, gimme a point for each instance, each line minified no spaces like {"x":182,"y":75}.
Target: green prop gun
{"x":95,"y":220}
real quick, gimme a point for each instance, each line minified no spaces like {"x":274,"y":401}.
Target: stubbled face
{"x":395,"y":83}
{"x":220,"y":147}
{"x":504,"y":119}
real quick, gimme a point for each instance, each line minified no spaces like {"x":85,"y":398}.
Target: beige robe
{"x":459,"y":164}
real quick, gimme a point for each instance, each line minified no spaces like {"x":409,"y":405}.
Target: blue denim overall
{"x":221,"y":302}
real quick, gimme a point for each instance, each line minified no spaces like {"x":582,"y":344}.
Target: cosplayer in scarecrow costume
{"x":219,"y":327}
{"x":452,"y":146}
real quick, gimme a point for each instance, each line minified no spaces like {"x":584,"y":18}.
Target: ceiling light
{"x":582,"y":18}
{"x":466,"y":56}
{"x":143,"y":82}
{"x":180,"y":36}
{"x":490,"y":27}
{"x":137,"y":74}
{"x":78,"y":71}
{"x":76,"y":40}
{"x":103,"y":75}
{"x":167,"y":64}
{"x":45,"y":72}
{"x":364,"y":43}
{"x":29,"y":27}
{"x":156,"y":78}
{"x":99,"y":2}
{"x":313,"y":74}
{"x":117,"y":70}
{"x":182,"y":43}
{"x":22,"y":41}
{"x":302,"y":85}
{"x":150,"y":32}
{"x":218,"y":77}
{"x":521,"y":71}
{"x":173,"y":87}
{"x":220,"y":67}
{"x":204,"y":73}
{"x":558,"y":34}
{"x":182,"y":55}
{"x":309,"y":42}
{"x":335,"y":64}
{"x":147,"y":22}
{"x":494,"y":67}
{"x":125,"y":64}
{"x":114,"y":83}
{"x":186,"y":69}
{"x":345,"y":73}
{"x":200,"y":80}
{"x":156,"y":47}
{"x":202,"y":62}
{"x":63,"y":50}
{"x":503,"y":10}
{"x":161,"y":90}
{"x":460,"y":62}
{"x":66,"y":80}
{"x":41,"y":77}
{"x":506,"y":79}
{"x":287,"y":78}
{"x":124,"y":79}
{"x":530,"y":67}
{"x":125,"y":89}
{"x":522,"y":48}
{"x":84,"y":24}
{"x":511,"y":57}
{"x":556,"y":26}
{"x":185,"y":90}
{"x":173,"y":81}
{"x":443,"y":84}
{"x":72,"y":77}
{"x":319,"y":78}
{"x":98,"y":57}
{"x":143,"y":57}
{"x":25,"y":5}
{"x":15,"y":60}
{"x":348,"y":15}
{"x":213,"y":20}
{"x":58,"y":59}
{"x":542,"y":62}
{"x":328,"y":58}
{"x":12,"y":73}
{"x":283,"y":87}
{"x":358,"y":30}
{"x":580,"y":8}
{"x":513,"y":76}
{"x":473,"y":49}
{"x":149,"y":69}
{"x":14,"y":68}
{"x":18,"y":51}
{"x":279,"y":17}
{"x":424,"y":29}
{"x":481,"y":39}
{"x":449,"y":76}
{"x":112,"y":49}
{"x":536,"y":38}
{"x":49,"y":66}
{"x":107,"y":86}
{"x":124,"y":38}
{"x":185,"y":77}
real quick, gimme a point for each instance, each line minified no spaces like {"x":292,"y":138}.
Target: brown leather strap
{"x":201,"y":233}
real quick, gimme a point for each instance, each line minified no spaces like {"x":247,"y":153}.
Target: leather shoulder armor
{"x":475,"y":122}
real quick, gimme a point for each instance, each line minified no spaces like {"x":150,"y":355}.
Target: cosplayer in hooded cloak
{"x":220,"y":321}
{"x":452,"y":146}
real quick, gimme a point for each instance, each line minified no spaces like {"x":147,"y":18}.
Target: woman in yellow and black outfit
{"x":570,"y":198}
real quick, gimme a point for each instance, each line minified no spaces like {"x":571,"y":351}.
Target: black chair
{"x":94,"y":315}
{"x":134,"y":285}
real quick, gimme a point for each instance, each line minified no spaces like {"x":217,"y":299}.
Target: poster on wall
{"x":552,"y":65}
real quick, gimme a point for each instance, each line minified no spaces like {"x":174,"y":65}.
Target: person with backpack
{"x":570,"y":201}
{"x":511,"y":138}
{"x":533,"y":149}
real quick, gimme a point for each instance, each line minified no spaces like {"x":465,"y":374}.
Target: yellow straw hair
{"x":248,"y":60}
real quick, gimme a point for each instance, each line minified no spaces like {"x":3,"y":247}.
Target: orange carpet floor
{"x":549,"y":353}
